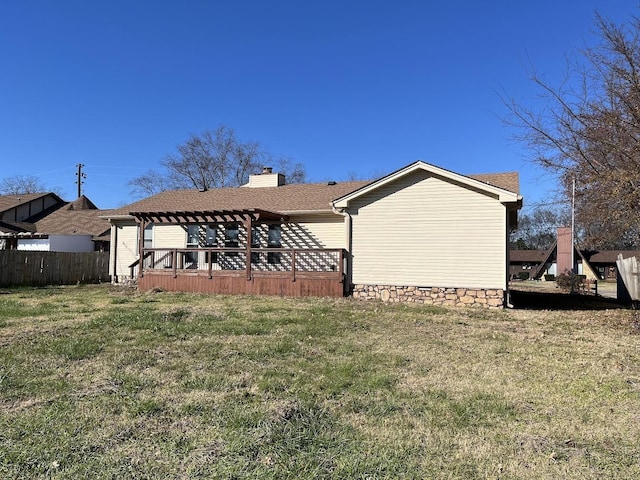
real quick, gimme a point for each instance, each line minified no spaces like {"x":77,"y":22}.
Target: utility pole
{"x":574,"y":270}
{"x":80,"y":176}
{"x":573,"y":226}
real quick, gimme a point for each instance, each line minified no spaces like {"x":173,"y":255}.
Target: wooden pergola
{"x":247,"y":217}
{"x":307,"y":271}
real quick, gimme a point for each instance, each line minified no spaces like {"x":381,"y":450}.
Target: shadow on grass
{"x":528,"y":300}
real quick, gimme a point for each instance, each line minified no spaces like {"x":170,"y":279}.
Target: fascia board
{"x":503,"y":195}
{"x":116,"y":217}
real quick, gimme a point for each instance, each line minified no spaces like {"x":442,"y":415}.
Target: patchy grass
{"x":104,"y":383}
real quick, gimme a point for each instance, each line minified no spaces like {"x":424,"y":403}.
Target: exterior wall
{"x":433,"y":296}
{"x":48,"y":201}
{"x":605,"y":271}
{"x":516,"y":268}
{"x":423,"y":230}
{"x":33,"y":244}
{"x":23,"y":212}
{"x":319,"y":231}
{"x":124,"y":249}
{"x":169,"y":236}
{"x":71,"y":243}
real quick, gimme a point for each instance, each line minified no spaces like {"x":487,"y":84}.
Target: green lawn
{"x":99,"y":382}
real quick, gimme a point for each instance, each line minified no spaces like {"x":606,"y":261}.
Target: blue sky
{"x":344,"y":87}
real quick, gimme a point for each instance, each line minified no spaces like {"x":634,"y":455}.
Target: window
{"x":193,"y":234}
{"x":231,"y":234}
{"x":274,"y":240}
{"x":210,"y":241}
{"x":210,"y":236}
{"x":255,"y":243}
{"x":148,"y":236}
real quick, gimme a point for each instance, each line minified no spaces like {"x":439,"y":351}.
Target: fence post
{"x":293,"y":265}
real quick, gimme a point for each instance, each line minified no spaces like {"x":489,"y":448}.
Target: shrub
{"x":571,"y":282}
{"x":549,"y":277}
{"x":523,"y":275}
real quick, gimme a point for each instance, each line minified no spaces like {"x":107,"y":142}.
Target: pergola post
{"x":248,"y":224}
{"x":143,"y":225}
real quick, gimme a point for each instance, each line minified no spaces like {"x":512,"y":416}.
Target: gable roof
{"x":608,"y":256}
{"x":527,"y":256}
{"x":80,"y":217}
{"x":81,"y":203}
{"x":509,"y":181}
{"x":66,"y":221}
{"x":9,"y":227}
{"x":302,"y":197}
{"x":8,"y":202}
{"x":287,"y":199}
{"x":504,"y":185}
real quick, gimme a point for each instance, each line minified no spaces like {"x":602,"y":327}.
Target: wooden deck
{"x":282,"y":272}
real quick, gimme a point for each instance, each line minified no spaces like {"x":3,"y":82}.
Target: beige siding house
{"x":427,"y":234}
{"x":420,"y":234}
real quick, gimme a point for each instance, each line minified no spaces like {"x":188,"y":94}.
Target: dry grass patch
{"x":99,"y":382}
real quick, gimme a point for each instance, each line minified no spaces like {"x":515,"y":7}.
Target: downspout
{"x":509,"y":210}
{"x":507,"y":293}
{"x":348,"y":240}
{"x":113,"y":247}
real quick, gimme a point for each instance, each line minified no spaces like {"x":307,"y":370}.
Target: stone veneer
{"x":468,"y":297}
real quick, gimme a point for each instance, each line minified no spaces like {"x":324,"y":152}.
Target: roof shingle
{"x":73,"y":222}
{"x":286,"y":198}
{"x":11,"y":201}
{"x":302,"y":197}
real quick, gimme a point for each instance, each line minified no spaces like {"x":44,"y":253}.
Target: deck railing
{"x":220,"y":261}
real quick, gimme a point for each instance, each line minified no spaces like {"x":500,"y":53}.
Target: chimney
{"x":265,"y":179}
{"x":564,"y":251}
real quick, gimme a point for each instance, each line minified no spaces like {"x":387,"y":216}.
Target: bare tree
{"x":538,"y":230}
{"x":587,"y":130}
{"x":149,"y":183}
{"x":21,"y":184}
{"x":213,"y":159}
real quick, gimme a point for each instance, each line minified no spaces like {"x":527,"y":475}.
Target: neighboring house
{"x":600,"y":265}
{"x":563,"y":257}
{"x":17,"y":210}
{"x":420,"y":234}
{"x":20,"y":208}
{"x":523,"y":264}
{"x":47,"y":223}
{"x":550,"y":268}
{"x":604,"y":262}
{"x":595,"y":265}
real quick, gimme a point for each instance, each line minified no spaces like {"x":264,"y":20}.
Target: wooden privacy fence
{"x":628,"y":279}
{"x":18,"y":267}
